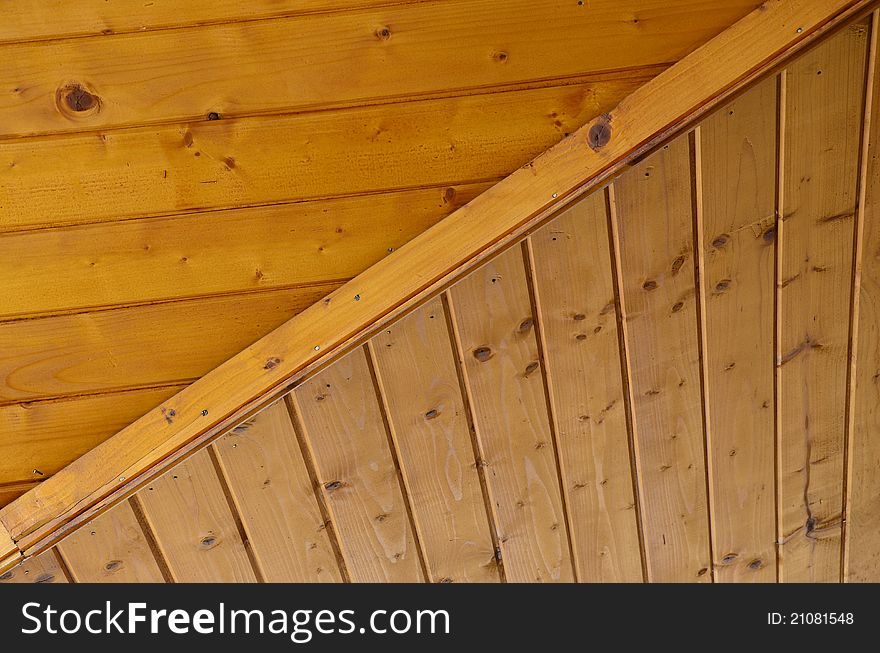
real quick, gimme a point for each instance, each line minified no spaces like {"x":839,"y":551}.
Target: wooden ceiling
{"x":178,"y":179}
{"x":673,"y":379}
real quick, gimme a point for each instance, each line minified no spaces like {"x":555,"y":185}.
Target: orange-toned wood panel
{"x":348,"y":442}
{"x":44,"y":568}
{"x":275,"y":498}
{"x":823,"y":111}
{"x":174,"y":169}
{"x":495,"y":330}
{"x":399,"y":50}
{"x":415,"y":368}
{"x":654,"y":232}
{"x":141,"y":261}
{"x":195,"y":529}
{"x":738,"y":172}
{"x":42,"y":437}
{"x":862,"y":559}
{"x":575,"y":297}
{"x":111,"y":549}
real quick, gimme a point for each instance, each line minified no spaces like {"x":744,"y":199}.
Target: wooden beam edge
{"x":583,"y":161}
{"x":10,"y":555}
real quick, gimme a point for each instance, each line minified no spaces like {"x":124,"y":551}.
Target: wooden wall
{"x":183,"y":177}
{"x":674,"y":380}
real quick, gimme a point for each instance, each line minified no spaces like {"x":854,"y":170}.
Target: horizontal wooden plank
{"x":31,"y":20}
{"x":227,"y":163}
{"x":116,"y":349}
{"x":422,"y":267}
{"x":139,"y":261}
{"x":305,"y":62}
{"x":40,"y":438}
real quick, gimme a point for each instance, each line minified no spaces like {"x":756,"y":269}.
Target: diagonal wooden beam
{"x":584,"y":160}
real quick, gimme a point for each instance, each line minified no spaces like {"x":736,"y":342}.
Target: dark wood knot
{"x":113,"y":565}
{"x":482,"y":354}
{"x":599,"y":134}
{"x":75,"y":100}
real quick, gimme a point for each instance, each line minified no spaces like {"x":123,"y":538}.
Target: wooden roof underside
{"x":658,"y":265}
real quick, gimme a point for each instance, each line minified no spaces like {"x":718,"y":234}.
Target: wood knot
{"x":113,"y":565}
{"x":722,"y":286}
{"x":599,"y":134}
{"x":482,"y":354}
{"x":332,"y":486}
{"x":769,"y":235}
{"x":650,"y":285}
{"x":581,"y":336}
{"x":208,"y":542}
{"x":272,"y":363}
{"x":445,"y":580}
{"x":169,"y":414}
{"x":531,"y":368}
{"x":525,"y":325}
{"x":676,"y":265}
{"x":7,"y":576}
{"x":579,"y":317}
{"x":74,"y":100}
{"x":703,"y":571}
{"x":720,"y":241}
{"x":756,"y":564}
{"x":730,"y":558}
{"x":500,"y":57}
{"x":213,"y":115}
{"x":383,"y":33}
{"x":677,"y":306}
{"x":448,"y":195}
{"x":431,"y":414}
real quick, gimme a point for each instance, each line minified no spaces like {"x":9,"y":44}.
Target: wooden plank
{"x":114,"y":350}
{"x":424,"y":266}
{"x":111,"y":549}
{"x":273,"y":493}
{"x":43,"y":568}
{"x":654,"y":220}
{"x":9,"y":552}
{"x":495,"y":330}
{"x":575,"y":297}
{"x":824,"y":102}
{"x":172,"y":169}
{"x":46,"y":436}
{"x":194,"y":526}
{"x":738,"y":165}
{"x":31,"y":20}
{"x":9,"y":492}
{"x":307,"y":62}
{"x":141,"y":261}
{"x":346,"y":437}
{"x":862,"y":545}
{"x":415,"y":367}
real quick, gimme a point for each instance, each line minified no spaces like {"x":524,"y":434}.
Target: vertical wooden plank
{"x":194,"y":525}
{"x":738,"y":158}
{"x":111,"y":549}
{"x":415,"y":366}
{"x":574,"y":290}
{"x":43,"y":568}
{"x":824,"y":103}
{"x":495,"y":329}
{"x":270,"y":485}
{"x":653,"y":220}
{"x":862,"y":528}
{"x":345,"y":432}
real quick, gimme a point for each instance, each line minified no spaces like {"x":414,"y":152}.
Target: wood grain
{"x":738,"y":166}
{"x":143,"y":261}
{"x":172,"y":169}
{"x":415,"y":367}
{"x":111,"y":549}
{"x":576,"y":303}
{"x":343,"y":426}
{"x":275,"y":498}
{"x":307,"y":62}
{"x":43,"y":568}
{"x":206,"y":546}
{"x":824,"y":102}
{"x":495,"y":330}
{"x":654,"y":221}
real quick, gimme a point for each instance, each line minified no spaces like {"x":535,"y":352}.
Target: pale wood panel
{"x":495,"y":329}
{"x":226,"y":163}
{"x":738,"y":163}
{"x":140,"y":261}
{"x":116,"y":349}
{"x":400,"y":50}
{"x":43,"y":568}
{"x":111,"y":549}
{"x":862,"y":559}
{"x":480,"y":229}
{"x":415,"y":367}
{"x":824,"y":101}
{"x":346,"y":435}
{"x":46,"y":436}
{"x":578,"y":317}
{"x":655,"y":231}
{"x":27,"y":20}
{"x":194,"y":527}
{"x":273,"y":493}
